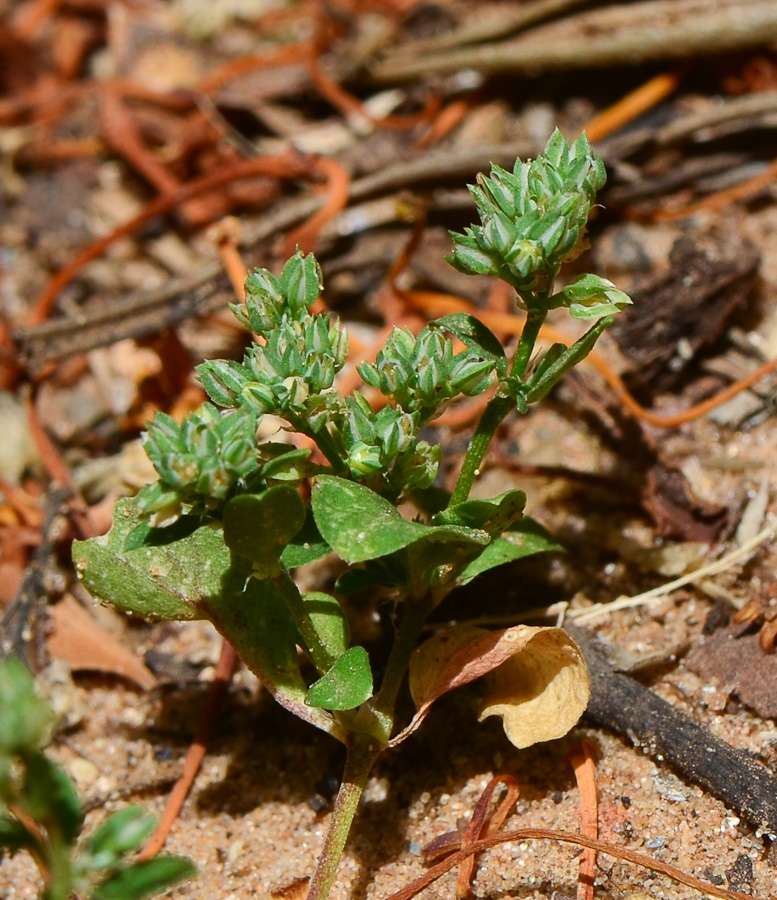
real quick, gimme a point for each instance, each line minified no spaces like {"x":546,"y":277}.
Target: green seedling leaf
{"x":346,"y":685}
{"x":25,"y":718}
{"x":525,"y":538}
{"x":493,"y":516}
{"x":476,"y":336}
{"x":143,"y":879}
{"x":306,"y":546}
{"x":155,"y":581}
{"x":359,"y":524}
{"x":285,"y":463}
{"x":120,"y":833}
{"x":50,"y":796}
{"x":259,"y":526}
{"x":537,"y":677}
{"x":329,"y":622}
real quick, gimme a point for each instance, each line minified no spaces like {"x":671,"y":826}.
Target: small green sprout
{"x":41,"y":814}
{"x":231,"y":516}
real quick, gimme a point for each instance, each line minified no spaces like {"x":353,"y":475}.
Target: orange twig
{"x":338,"y":184}
{"x":282,"y":166}
{"x":290,"y":53}
{"x":31,"y":18}
{"x":196,"y":753}
{"x":123,"y":136}
{"x":224,"y":235}
{"x":581,"y":840}
{"x":347,"y":103}
{"x":445,"y":121}
{"x":58,"y":471}
{"x":582,"y":761}
{"x":479,"y":825}
{"x":633,"y":105}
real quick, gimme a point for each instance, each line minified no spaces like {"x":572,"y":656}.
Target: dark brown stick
{"x":621,"y":704}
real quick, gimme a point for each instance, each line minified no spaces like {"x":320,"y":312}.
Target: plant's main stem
{"x":493,"y":416}
{"x":364,"y":748}
{"x":362,"y":753}
{"x":497,"y":409}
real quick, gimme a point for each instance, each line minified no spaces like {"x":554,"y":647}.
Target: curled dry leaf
{"x":537,"y":678}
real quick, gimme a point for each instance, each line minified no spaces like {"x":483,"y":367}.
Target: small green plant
{"x":218,"y":535}
{"x":40,"y":812}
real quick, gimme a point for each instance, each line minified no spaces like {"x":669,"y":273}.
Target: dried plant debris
{"x":733,"y":656}
{"x":678,"y":313}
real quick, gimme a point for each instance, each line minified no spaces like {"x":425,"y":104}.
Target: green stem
{"x":496,"y":411}
{"x":362,"y":753}
{"x":322,"y":659}
{"x":531,"y":328}
{"x":382,"y":705}
{"x":493,"y":416}
{"x":365,"y":746}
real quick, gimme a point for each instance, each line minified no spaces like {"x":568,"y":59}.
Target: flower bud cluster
{"x":422,"y":372}
{"x":386,"y":443}
{"x":202,"y":462}
{"x":270,"y":299}
{"x":533,"y":218}
{"x":298,"y":361}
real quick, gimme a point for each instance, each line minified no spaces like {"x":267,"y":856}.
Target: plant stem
{"x":493,"y":416}
{"x":382,"y":705}
{"x":497,"y":409}
{"x":288,"y":589}
{"x":531,"y":328}
{"x":365,"y":747}
{"x":362,"y":753}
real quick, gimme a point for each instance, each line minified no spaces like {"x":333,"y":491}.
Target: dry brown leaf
{"x":84,"y":645}
{"x":539,"y":681}
{"x":541,"y":692}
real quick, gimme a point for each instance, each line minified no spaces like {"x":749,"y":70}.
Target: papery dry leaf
{"x":539,"y":681}
{"x":541,"y":692}
{"x":83,"y":644}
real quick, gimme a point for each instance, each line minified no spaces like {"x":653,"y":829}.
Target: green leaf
{"x":14,"y":836}
{"x":118,"y":834}
{"x":306,"y":546}
{"x":525,"y":538}
{"x":197,"y":577}
{"x":50,"y":797}
{"x":475,"y":335}
{"x":329,"y":622}
{"x":259,"y":526}
{"x":143,"y":879}
{"x":25,"y":718}
{"x":493,"y":516}
{"x":384,"y":572}
{"x":155,"y":581}
{"x":346,"y":685}
{"x":591,"y":297}
{"x":548,"y":376}
{"x":254,"y":617}
{"x":359,"y":524}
